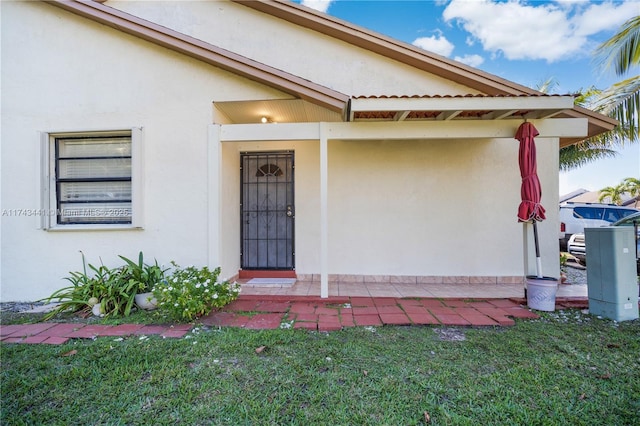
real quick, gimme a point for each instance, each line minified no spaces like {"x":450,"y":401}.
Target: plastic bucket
{"x":541,"y":293}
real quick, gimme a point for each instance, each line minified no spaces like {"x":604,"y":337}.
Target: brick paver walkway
{"x":309,"y":313}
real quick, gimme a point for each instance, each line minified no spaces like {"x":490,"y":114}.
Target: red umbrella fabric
{"x":530,"y":209}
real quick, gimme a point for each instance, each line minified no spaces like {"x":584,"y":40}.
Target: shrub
{"x":144,"y":276}
{"x":192,"y":292}
{"x":113,"y":288}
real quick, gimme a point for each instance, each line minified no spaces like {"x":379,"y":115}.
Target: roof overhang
{"x":396,"y":131}
{"x":478,"y":112}
{"x":446,"y":108}
{"x":504,"y":99}
{"x":421,"y":59}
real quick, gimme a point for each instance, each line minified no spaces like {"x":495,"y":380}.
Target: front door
{"x":267,"y":210}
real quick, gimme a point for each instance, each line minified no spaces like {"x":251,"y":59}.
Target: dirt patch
{"x":450,"y":334}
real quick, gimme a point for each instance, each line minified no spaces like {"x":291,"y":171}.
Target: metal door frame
{"x":289,"y":153}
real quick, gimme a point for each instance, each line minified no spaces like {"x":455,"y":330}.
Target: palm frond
{"x":586,"y":97}
{"x":622,"y":50}
{"x":548,"y":85}
{"x":622,"y":102}
{"x":574,"y":156}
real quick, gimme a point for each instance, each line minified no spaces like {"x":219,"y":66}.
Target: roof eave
{"x":388,"y":47}
{"x":413,"y":56}
{"x":598,"y":124}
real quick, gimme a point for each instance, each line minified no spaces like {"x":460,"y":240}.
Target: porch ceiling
{"x":437,"y":109}
{"x":398,"y":108}
{"x":275,"y":111}
{"x":445,"y":108}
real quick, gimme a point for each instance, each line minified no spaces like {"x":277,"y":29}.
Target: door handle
{"x":289,"y":211}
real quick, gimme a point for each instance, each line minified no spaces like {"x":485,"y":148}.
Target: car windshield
{"x":629,"y":220}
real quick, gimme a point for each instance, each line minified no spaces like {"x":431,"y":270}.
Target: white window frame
{"x":47,"y":182}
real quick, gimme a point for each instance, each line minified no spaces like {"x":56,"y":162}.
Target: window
{"x":588,"y":213}
{"x":614,"y":215}
{"x":269,"y":170}
{"x":91,"y":179}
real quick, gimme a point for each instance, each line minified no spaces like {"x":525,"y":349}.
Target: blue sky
{"x":527,"y":42}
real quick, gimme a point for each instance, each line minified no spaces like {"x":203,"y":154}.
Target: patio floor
{"x":400,"y":290}
{"x":284,"y":307}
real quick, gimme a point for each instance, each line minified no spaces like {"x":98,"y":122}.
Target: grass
{"x":137,"y":316}
{"x":565,"y":368}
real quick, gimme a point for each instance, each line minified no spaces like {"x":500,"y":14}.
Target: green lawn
{"x":566,"y":368}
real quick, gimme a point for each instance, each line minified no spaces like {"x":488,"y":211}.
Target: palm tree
{"x":614,"y":193}
{"x":632,"y":186}
{"x":621,"y":101}
{"x":574,"y":156}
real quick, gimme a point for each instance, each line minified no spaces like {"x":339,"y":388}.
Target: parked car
{"x":574,"y":217}
{"x":577,"y":247}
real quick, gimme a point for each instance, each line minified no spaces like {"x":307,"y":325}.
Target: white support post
{"x":214,"y":192}
{"x":324,"y":214}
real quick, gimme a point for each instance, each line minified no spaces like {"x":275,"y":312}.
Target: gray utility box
{"x":611,"y":272}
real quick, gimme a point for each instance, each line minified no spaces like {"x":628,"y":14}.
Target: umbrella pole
{"x":535,"y":240}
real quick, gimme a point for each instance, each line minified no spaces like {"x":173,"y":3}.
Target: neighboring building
{"x":584,"y":196}
{"x":137,"y":126}
{"x":574,"y":194}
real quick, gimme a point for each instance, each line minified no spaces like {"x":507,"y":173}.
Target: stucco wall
{"x":61,"y":72}
{"x":426,"y":208}
{"x":396,"y":208}
{"x":283,"y":45}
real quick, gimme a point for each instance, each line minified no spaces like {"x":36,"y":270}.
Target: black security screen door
{"x":267,"y":210}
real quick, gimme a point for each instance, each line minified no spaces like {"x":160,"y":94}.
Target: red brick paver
{"x":55,"y":340}
{"x":302,"y":308}
{"x":61,"y":330}
{"x":150,"y":329}
{"x":264,"y":321}
{"x":367,"y":319}
{"x":90,"y":331}
{"x":395,"y":319}
{"x":451,"y":319}
{"x":174,"y":333}
{"x":305,"y":312}
{"x":422,"y":318}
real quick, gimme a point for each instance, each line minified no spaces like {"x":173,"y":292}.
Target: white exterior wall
{"x":61,"y":72}
{"x":299,"y":51}
{"x":429,"y":208}
{"x":415,"y":208}
{"x":437,"y":207}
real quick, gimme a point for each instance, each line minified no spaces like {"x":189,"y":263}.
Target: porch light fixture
{"x":264,"y":120}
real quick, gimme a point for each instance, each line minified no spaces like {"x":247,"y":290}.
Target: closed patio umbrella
{"x":530,"y":209}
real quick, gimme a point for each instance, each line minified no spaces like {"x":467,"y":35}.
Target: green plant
{"x":563,"y":260}
{"x":192,"y":292}
{"x":145,"y":276}
{"x":82,"y":292}
{"x":113,"y":288}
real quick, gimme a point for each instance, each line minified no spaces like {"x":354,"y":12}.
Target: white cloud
{"x":435,"y":43}
{"x":548,"y":31}
{"x":471,"y":60}
{"x":605,"y":16}
{"x":319,"y":5}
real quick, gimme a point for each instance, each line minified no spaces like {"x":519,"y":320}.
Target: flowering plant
{"x":191,"y":292}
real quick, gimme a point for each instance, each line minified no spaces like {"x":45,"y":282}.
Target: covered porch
{"x":391,"y":119}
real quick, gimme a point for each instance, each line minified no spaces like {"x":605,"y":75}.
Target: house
{"x":305,"y":147}
{"x":584,"y":196}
